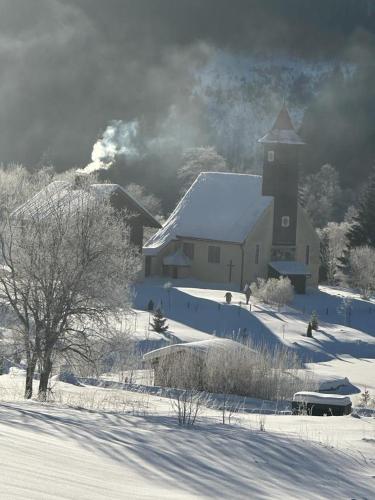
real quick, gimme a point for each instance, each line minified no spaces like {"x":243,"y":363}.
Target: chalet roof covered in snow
{"x":282,"y":131}
{"x":64,"y":193}
{"x":321,"y":398}
{"x":200,"y":348}
{"x":218,"y":206}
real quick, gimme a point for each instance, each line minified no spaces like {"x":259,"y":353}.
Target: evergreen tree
{"x":362,"y":232}
{"x":159,"y":322}
{"x":309,"y":330}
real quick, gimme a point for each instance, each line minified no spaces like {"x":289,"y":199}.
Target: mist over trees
{"x":160,"y":72}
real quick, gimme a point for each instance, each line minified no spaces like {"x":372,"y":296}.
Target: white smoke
{"x":118,"y":139}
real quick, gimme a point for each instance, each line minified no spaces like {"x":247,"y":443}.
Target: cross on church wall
{"x":230,"y":266}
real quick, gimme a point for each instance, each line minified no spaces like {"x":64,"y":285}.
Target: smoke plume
{"x":118,"y":139}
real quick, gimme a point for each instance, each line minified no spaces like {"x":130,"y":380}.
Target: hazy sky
{"x":69,"y":67}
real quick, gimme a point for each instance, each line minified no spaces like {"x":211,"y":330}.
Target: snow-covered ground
{"x":101,"y":443}
{"x":196,"y":312}
{"x":56,"y":452}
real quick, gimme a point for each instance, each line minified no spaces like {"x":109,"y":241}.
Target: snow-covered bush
{"x":278,"y":292}
{"x":187,"y":405}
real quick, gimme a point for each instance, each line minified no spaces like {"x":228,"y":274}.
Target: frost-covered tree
{"x":362,"y":231}
{"x":67,"y":268}
{"x":333,"y":244}
{"x":148,"y":200}
{"x":17,"y":184}
{"x":321,"y":194}
{"x":361,"y":270}
{"x":197,"y":160}
{"x":314,"y":322}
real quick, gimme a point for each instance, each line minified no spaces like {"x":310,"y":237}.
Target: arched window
{"x":271,"y":155}
{"x":285,"y":221}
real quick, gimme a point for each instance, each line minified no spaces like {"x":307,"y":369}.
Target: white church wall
{"x":219,"y":272}
{"x":260,"y":235}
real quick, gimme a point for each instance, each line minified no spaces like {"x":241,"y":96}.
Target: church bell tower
{"x":282,"y":151}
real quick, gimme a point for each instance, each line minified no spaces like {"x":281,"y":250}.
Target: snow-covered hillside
{"x":195,"y":313}
{"x":95,"y":442}
{"x":56,"y":452}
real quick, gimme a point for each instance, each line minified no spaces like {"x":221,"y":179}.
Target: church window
{"x":257,"y":254}
{"x":213,"y":254}
{"x":285,"y":221}
{"x":307,"y":257}
{"x":188,"y":249}
{"x":271,"y":155}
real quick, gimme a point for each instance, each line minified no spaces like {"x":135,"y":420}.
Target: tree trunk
{"x":29,"y":379}
{"x":45,"y":373}
{"x":30,"y":370}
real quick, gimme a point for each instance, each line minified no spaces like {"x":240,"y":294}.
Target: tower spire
{"x":282,"y":131}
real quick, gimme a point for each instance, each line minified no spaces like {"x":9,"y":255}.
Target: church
{"x":233,"y":228}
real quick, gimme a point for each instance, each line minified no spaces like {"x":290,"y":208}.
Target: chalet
{"x":60,"y":192}
{"x":233,"y":228}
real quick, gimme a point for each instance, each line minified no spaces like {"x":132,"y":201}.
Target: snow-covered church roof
{"x":218,"y":206}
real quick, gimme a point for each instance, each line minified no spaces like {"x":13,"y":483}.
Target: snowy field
{"x":112,"y":443}
{"x":54,"y":451}
{"x":337,"y":349}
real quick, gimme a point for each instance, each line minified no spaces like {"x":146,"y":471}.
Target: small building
{"x":234,"y":228}
{"x":198,"y":365}
{"x":60,"y":192}
{"x":319,"y":404}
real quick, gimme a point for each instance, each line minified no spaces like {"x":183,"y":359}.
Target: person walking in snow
{"x":228,"y":297}
{"x":247,"y":293}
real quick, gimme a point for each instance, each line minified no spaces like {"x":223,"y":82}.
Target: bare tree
{"x":67,"y":267}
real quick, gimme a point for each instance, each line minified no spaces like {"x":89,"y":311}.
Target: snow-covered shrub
{"x":187,"y":404}
{"x":365,"y":398}
{"x":278,"y":292}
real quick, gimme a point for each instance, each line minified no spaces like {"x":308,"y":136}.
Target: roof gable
{"x":218,"y":206}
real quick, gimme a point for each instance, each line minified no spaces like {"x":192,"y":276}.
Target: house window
{"x":307,"y":257}
{"x":257,"y":254}
{"x":213,"y":254}
{"x":271,"y":155}
{"x":188,"y":249}
{"x":285,"y":221}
